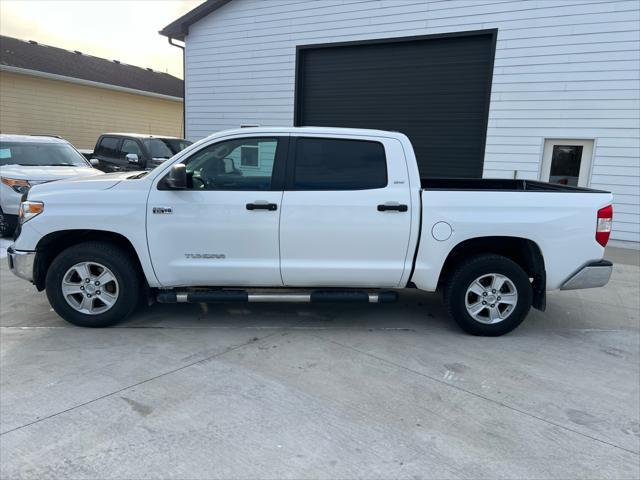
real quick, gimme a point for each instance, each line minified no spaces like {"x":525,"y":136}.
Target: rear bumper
{"x":21,"y":263}
{"x":594,"y":274}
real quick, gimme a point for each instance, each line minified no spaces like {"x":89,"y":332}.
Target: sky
{"x":114,"y":29}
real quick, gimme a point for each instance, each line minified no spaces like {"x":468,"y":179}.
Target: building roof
{"x":179,"y":28}
{"x":29,"y":55}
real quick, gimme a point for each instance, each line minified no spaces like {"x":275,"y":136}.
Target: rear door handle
{"x":398,"y":207}
{"x":262,"y":206}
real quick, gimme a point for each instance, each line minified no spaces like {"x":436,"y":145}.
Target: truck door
{"x":345,"y":217}
{"x":223,"y":229}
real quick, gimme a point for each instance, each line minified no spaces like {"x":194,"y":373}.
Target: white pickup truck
{"x":307,"y":215}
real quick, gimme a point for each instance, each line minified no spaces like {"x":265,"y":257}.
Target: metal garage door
{"x":435,"y":89}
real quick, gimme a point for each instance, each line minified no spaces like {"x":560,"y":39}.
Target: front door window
{"x":238,"y":164}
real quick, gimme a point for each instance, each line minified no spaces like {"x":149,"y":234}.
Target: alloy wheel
{"x":90,"y":288}
{"x":491,"y":298}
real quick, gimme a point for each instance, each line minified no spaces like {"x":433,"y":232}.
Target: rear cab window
{"x":338,"y":164}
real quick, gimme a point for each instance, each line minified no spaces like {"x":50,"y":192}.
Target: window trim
{"x":277,"y":174}
{"x":289,"y":184}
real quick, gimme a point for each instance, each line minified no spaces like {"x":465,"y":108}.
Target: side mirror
{"x":132,"y":158}
{"x":177,"y":178}
{"x":229,"y":166}
{"x":94,"y":162}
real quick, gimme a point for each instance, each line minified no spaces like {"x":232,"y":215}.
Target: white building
{"x":545,"y":89}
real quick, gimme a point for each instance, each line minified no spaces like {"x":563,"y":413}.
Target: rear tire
{"x":93,"y":284}
{"x":481,"y":309}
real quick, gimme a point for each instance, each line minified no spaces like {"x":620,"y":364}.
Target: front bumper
{"x":592,"y":275}
{"x":21,"y":263}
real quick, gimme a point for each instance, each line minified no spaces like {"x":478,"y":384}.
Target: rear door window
{"x":336,"y":164}
{"x":108,"y":147}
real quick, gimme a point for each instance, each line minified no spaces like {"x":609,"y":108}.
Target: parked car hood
{"x":37,"y":174}
{"x":102,"y":181}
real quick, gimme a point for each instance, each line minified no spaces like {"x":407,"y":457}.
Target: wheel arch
{"x":523,"y":251}
{"x":52,"y":244}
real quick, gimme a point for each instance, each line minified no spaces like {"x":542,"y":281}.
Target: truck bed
{"x":499,"y":184}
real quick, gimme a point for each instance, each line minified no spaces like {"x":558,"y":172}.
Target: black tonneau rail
{"x":499,"y":184}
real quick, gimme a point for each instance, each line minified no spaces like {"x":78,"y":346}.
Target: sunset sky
{"x":116,"y":29}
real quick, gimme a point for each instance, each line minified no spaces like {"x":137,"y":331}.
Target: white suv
{"x":27,"y":160}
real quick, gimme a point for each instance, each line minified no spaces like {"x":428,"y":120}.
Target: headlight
{"x":29,"y":209}
{"x":18,"y":186}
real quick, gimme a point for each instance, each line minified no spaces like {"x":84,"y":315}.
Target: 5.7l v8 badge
{"x":162,"y":210}
{"x":215,"y":256}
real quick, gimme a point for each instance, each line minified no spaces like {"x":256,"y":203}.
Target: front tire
{"x":488,"y":295}
{"x":93,"y":284}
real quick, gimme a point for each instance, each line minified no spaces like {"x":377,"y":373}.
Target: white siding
{"x":563,"y":69}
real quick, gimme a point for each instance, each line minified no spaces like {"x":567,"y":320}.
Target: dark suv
{"x":119,"y":152}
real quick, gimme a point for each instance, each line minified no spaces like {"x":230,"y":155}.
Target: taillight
{"x":603,"y":227}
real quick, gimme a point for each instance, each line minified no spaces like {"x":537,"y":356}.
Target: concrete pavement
{"x":323,"y":391}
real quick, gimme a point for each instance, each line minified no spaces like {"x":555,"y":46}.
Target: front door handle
{"x":262,"y":206}
{"x":398,"y":207}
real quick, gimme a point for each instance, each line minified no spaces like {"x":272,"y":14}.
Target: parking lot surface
{"x":323,"y":391}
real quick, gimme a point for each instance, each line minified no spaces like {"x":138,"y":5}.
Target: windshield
{"x":40,"y":154}
{"x":165,"y":147}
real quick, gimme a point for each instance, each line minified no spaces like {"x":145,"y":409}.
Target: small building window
{"x":250,"y":156}
{"x":567,"y":162}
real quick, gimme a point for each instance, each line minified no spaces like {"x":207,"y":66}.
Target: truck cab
{"x":328,"y":218}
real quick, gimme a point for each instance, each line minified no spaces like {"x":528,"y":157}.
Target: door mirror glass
{"x":94,"y":162}
{"x":177,"y":178}
{"x":132,"y":158}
